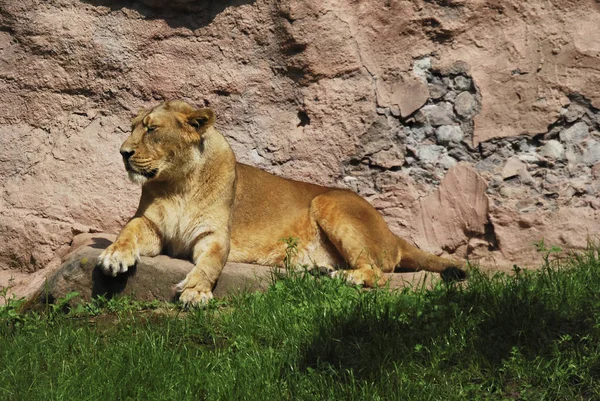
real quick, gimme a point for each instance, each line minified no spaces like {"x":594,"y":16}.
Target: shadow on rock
{"x":192,"y":14}
{"x":108,"y":286}
{"x":100,"y":243}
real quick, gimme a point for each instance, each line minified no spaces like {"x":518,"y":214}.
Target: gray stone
{"x":553,"y":133}
{"x":496,"y":181}
{"x":572,"y":153}
{"x":446,"y":162}
{"x":411,"y":144}
{"x":421,"y":67}
{"x":552,"y":149}
{"x":461,"y":154}
{"x":487,"y":148}
{"x":436,"y":114}
{"x":421,"y":174}
{"x":465,"y":105}
{"x":420,"y":133}
{"x":506,"y":150}
{"x":491,"y":163}
{"x":576,"y":133}
{"x":524,"y":146}
{"x":446,"y":134}
{"x":437,"y":88}
{"x":592,"y":153}
{"x":383,"y":111}
{"x":572,"y":113}
{"x":462,"y":83}
{"x":450,"y":96}
{"x":529,"y":158}
{"x":429,"y":153}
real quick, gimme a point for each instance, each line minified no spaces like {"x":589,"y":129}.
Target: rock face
{"x":406,"y":102}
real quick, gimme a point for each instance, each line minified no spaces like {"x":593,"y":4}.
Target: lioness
{"x":197,"y":202}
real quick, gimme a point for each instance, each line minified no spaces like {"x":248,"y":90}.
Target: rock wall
{"x":471,"y":124}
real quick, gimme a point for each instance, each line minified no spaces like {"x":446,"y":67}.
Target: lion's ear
{"x":202,"y":118}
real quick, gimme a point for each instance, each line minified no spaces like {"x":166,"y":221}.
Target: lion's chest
{"x":180,"y":227}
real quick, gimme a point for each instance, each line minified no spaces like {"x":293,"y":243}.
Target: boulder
{"x":155,"y":278}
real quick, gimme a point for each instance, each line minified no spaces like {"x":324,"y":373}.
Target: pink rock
{"x":453,"y":213}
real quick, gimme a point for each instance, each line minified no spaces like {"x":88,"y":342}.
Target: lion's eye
{"x":150,"y":129}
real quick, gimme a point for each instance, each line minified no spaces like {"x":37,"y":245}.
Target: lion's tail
{"x":416,"y":259}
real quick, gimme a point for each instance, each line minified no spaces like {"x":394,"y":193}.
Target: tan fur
{"x":198,"y":203}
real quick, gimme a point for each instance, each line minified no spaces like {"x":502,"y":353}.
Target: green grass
{"x":533,"y":335}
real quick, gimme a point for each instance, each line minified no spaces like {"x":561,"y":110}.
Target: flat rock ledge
{"x":154,"y":278}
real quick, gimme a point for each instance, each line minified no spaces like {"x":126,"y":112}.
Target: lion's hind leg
{"x":360,"y":235}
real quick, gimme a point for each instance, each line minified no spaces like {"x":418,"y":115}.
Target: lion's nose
{"x":126,"y":153}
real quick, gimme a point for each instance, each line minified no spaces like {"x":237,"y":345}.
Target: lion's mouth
{"x":151,"y":173}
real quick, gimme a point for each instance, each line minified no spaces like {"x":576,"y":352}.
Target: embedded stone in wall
{"x":465,"y":105}
{"x":462,"y":83}
{"x":436,"y":114}
{"x":552,"y":149}
{"x":447,"y":134}
{"x":572,"y":113}
{"x":429,"y":153}
{"x":575,"y":134}
{"x":592,"y":153}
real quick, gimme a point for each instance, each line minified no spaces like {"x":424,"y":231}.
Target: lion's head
{"x":164,"y":140}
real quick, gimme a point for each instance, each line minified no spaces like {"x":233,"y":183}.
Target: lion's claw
{"x":348,"y":276}
{"x":193,"y":298}
{"x":114,"y":261}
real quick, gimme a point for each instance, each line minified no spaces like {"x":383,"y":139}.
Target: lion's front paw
{"x":348,"y":276}
{"x":193,"y":298}
{"x":117,"y":259}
